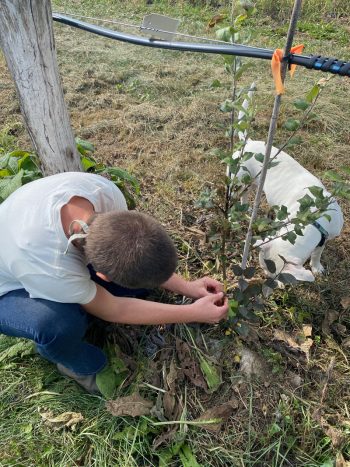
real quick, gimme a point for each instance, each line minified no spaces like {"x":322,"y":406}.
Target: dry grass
{"x":154,"y":113}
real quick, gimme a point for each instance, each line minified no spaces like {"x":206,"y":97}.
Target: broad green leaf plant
{"x":18,"y":167}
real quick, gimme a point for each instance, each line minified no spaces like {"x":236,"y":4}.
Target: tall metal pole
{"x":272,"y":131}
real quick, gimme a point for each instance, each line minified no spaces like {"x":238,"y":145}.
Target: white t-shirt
{"x":33,"y":242}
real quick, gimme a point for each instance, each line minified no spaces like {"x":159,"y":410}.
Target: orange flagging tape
{"x":276,"y":67}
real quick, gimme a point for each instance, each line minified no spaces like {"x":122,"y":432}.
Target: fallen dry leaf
{"x":189,"y":366}
{"x":165,"y":437}
{"x":330,"y":317}
{"x":346,"y":342}
{"x":215,"y":20}
{"x":306,"y":346}
{"x":171,"y":376}
{"x":337,"y":436}
{"x":291,"y":344}
{"x":340,"y":461}
{"x":169,"y":405}
{"x":66,"y":419}
{"x":221,"y":413}
{"x":169,"y":398}
{"x":345,"y":302}
{"x":133,"y":405}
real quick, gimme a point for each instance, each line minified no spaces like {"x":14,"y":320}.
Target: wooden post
{"x":26,"y":38}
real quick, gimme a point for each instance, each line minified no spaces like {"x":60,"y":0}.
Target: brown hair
{"x":131,"y":249}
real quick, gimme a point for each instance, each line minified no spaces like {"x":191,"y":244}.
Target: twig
{"x":328,"y":377}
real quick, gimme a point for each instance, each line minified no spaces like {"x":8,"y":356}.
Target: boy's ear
{"x":102,"y":276}
{"x":299,"y":272}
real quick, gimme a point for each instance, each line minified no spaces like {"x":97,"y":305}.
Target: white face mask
{"x":74,"y":236}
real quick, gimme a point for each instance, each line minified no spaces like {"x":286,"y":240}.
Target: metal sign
{"x":160,"y":26}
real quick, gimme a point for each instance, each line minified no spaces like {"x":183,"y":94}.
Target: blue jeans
{"x":58,"y":329}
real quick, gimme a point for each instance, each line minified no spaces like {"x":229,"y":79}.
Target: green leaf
{"x":273,"y":164}
{"x":295,"y":140}
{"x":242,"y":69}
{"x":247,"y":156}
{"x":123,"y":175}
{"x":20,"y":348}
{"x":298,"y":230}
{"x":253,"y":290}
{"x":328,"y":463}
{"x":12,"y":165}
{"x":215,"y":84}
{"x":301,"y":104}
{"x":290,"y":237}
{"x":9,"y":185}
{"x":210,"y":373}
{"x":29,"y":162}
{"x":225,"y":34}
{"x":249,"y":272}
{"x":313,"y":93}
{"x":87,"y":162}
{"x":242,"y":329}
{"x":187,"y":457}
{"x":4,"y":160}
{"x":18,"y":153}
{"x":246,"y":179}
{"x":116,"y":363}
{"x":239,"y":19}
{"x":5,"y":173}
{"x":270,"y":266}
{"x":291,"y":124}
{"x":243,"y":284}
{"x":248,"y":314}
{"x":166,"y":455}
{"x":106,"y":381}
{"x":84,"y":147}
{"x":237,"y":270}
{"x":287,"y":278}
{"x":305,"y":202}
{"x":317,"y":191}
{"x":275,"y":428}
{"x":282,"y":214}
{"x":226,"y":106}
{"x":232,"y":308}
{"x":259,"y":157}
{"x":271,"y":283}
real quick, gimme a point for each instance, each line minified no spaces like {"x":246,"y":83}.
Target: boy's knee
{"x":60,"y":322}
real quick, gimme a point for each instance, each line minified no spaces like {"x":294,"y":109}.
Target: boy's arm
{"x":106,"y":306}
{"x":193,"y":289}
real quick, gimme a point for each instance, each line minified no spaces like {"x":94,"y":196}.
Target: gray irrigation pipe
{"x":272,"y":131}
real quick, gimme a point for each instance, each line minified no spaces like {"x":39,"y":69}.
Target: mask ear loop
{"x":73,"y":236}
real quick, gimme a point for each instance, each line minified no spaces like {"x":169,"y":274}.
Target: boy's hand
{"x":203,"y":287}
{"x":211,"y":308}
